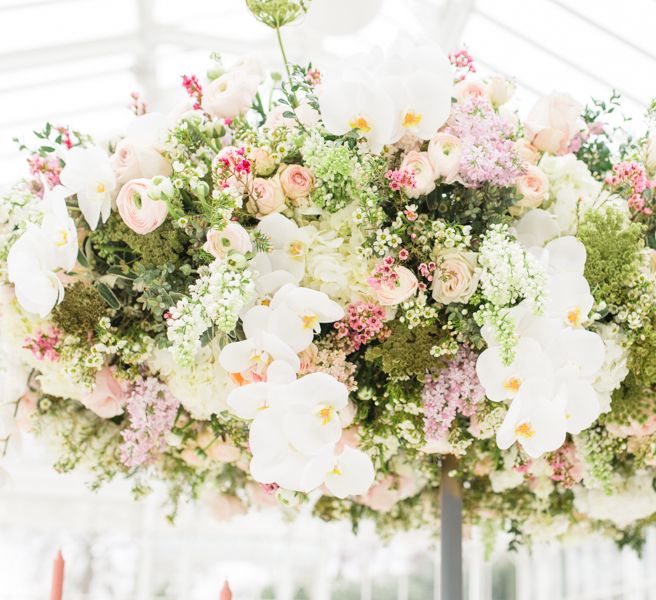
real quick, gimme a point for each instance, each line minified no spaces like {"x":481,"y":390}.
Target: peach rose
{"x":456,"y":277}
{"x":533,"y":186}
{"x":499,"y":90}
{"x":132,"y":160}
{"x":527,"y":151}
{"x":308,"y":358}
{"x":469,"y":89}
{"x":108,"y":396}
{"x":553,"y":122}
{"x":297,"y":183}
{"x":266,"y":197}
{"x":232,"y":237}
{"x":138,"y":211}
{"x":444,"y":152}
{"x":231,"y":94}
{"x":406,"y":286}
{"x":420,"y":164}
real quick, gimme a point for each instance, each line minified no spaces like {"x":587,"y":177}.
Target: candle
{"x":226,"y":592}
{"x":57,"y":577}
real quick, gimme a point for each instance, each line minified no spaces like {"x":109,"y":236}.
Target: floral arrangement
{"x":310,"y":289}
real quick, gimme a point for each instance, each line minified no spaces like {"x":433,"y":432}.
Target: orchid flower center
{"x":296,"y":249}
{"x":411,"y":119}
{"x":100,"y":188}
{"x":326,"y":414}
{"x":574,"y":317}
{"x":310,"y":320}
{"x":524,"y":430}
{"x":360,"y":123}
{"x":62,"y":238}
{"x":512,"y":384}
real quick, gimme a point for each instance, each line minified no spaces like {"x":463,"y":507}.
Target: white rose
{"x":499,"y":90}
{"x":231,"y":94}
{"x":456,"y":277}
{"x":420,"y":165}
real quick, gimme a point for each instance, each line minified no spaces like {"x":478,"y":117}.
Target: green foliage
{"x":277,"y":13}
{"x":80,"y":310}
{"x":632,"y":402}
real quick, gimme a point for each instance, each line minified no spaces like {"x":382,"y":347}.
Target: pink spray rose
{"x":138,"y":211}
{"x":444,"y":152}
{"x":108,"y":396}
{"x":533,"y":187}
{"x":297,"y":183}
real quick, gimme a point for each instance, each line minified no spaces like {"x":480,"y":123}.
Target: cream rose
{"x":134,"y":161}
{"x":263,"y":161}
{"x":266,"y":196}
{"x":231,"y":94}
{"x":297,"y":183}
{"x":232,"y":237}
{"x":469,"y":89}
{"x":444,"y":152}
{"x":456,"y":277}
{"x":553,"y":122}
{"x":138,"y":211}
{"x":527,"y":151}
{"x":499,"y":90}
{"x":406,"y":286}
{"x":533,"y":186}
{"x":420,"y":164}
{"x":108,"y":395}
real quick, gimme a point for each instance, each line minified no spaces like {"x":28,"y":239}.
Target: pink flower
{"x":469,"y":89}
{"x":108,"y":396}
{"x":297,"y":183}
{"x":533,"y":187}
{"x":232,"y":93}
{"x":383,"y":495}
{"x":132,"y":160}
{"x":633,"y":428}
{"x":224,"y":507}
{"x":138,"y":211}
{"x":553,"y":122}
{"x":527,"y":151}
{"x":444,"y":152}
{"x":424,"y":175}
{"x":232,"y":237}
{"x":403,"y":288}
{"x":266,"y":197}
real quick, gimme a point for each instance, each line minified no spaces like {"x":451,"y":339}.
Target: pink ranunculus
{"x":468,"y":89}
{"x":232,"y":237}
{"x":533,"y":187}
{"x":444,"y":152}
{"x":138,"y":211}
{"x":297,"y":182}
{"x":553,"y":122}
{"x":350,"y":437}
{"x":420,"y":164}
{"x":406,"y":286}
{"x":262,"y":495}
{"x":108,"y":396}
{"x":134,"y":161}
{"x":266,"y":196}
{"x":231,"y":94}
{"x":224,"y":452}
{"x":308,"y":358}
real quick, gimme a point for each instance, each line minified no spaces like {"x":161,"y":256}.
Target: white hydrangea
{"x":614,"y":370}
{"x":202,"y":387}
{"x":334,"y":263}
{"x":508,"y":478}
{"x":632,"y":499}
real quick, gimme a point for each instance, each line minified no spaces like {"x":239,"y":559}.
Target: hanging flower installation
{"x":310,"y":300}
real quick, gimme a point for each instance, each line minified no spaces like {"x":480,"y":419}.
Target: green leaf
{"x":108,"y":296}
{"x":207,"y":336}
{"x":288,"y":114}
{"x":82,"y":259}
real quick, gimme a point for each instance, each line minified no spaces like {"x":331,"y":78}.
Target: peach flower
{"x":108,"y":396}
{"x":533,"y":187}
{"x":266,"y":197}
{"x":297,"y":183}
{"x":456,"y":278}
{"x":469,"y":89}
{"x":553,"y":122}
{"x":384,"y":494}
{"x":135,"y":161}
{"x":527,"y":151}
{"x":138,"y":211}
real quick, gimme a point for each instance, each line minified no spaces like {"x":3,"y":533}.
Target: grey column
{"x":451,"y":534}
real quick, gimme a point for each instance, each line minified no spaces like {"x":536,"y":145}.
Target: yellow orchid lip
{"x":100,"y":188}
{"x":411,"y":119}
{"x":326,"y":415}
{"x":512,"y":384}
{"x":310,"y":321}
{"x":361,"y":124}
{"x":524,"y":430}
{"x":574,"y":317}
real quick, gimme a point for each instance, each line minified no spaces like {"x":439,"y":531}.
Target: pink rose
{"x":444,"y":152}
{"x":266,"y":197}
{"x":134,"y":161}
{"x":533,"y":186}
{"x":108,"y":396}
{"x":231,"y":94}
{"x":232,"y":237}
{"x":469,"y":89}
{"x":420,"y":165}
{"x":553,"y":122}
{"x":297,"y":183}
{"x":404,"y":287}
{"x":138,"y":211}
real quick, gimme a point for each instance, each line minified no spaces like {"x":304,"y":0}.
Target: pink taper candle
{"x":226,"y":592}
{"x":57,"y":577}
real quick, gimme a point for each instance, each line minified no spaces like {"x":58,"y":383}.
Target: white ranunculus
{"x":88,"y":173}
{"x":456,"y":277}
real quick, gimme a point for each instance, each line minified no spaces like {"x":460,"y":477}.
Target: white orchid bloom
{"x":38,"y":289}
{"x":566,"y":255}
{"x":59,"y":231}
{"x":276,"y":460}
{"x":352,"y":474}
{"x":536,"y":228}
{"x":503,"y":382}
{"x":289,"y":246}
{"x":577,"y":353}
{"x":249,"y":359}
{"x":580,"y":405}
{"x":247,"y":400}
{"x":297,"y":313}
{"x":88,"y":173}
{"x":569,"y":299}
{"x":534,"y":420}
{"x":354,"y":99}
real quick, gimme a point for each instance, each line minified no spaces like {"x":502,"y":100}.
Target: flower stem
{"x":284,"y":55}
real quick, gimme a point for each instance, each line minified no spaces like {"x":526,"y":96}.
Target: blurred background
{"x":75,"y":62}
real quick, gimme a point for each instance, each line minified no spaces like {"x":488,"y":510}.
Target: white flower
{"x":614,"y":369}
{"x":289,"y":245}
{"x":352,"y":473}
{"x":536,"y":228}
{"x":569,"y":299}
{"x":13,"y":375}
{"x":533,"y":420}
{"x":88,"y":173}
